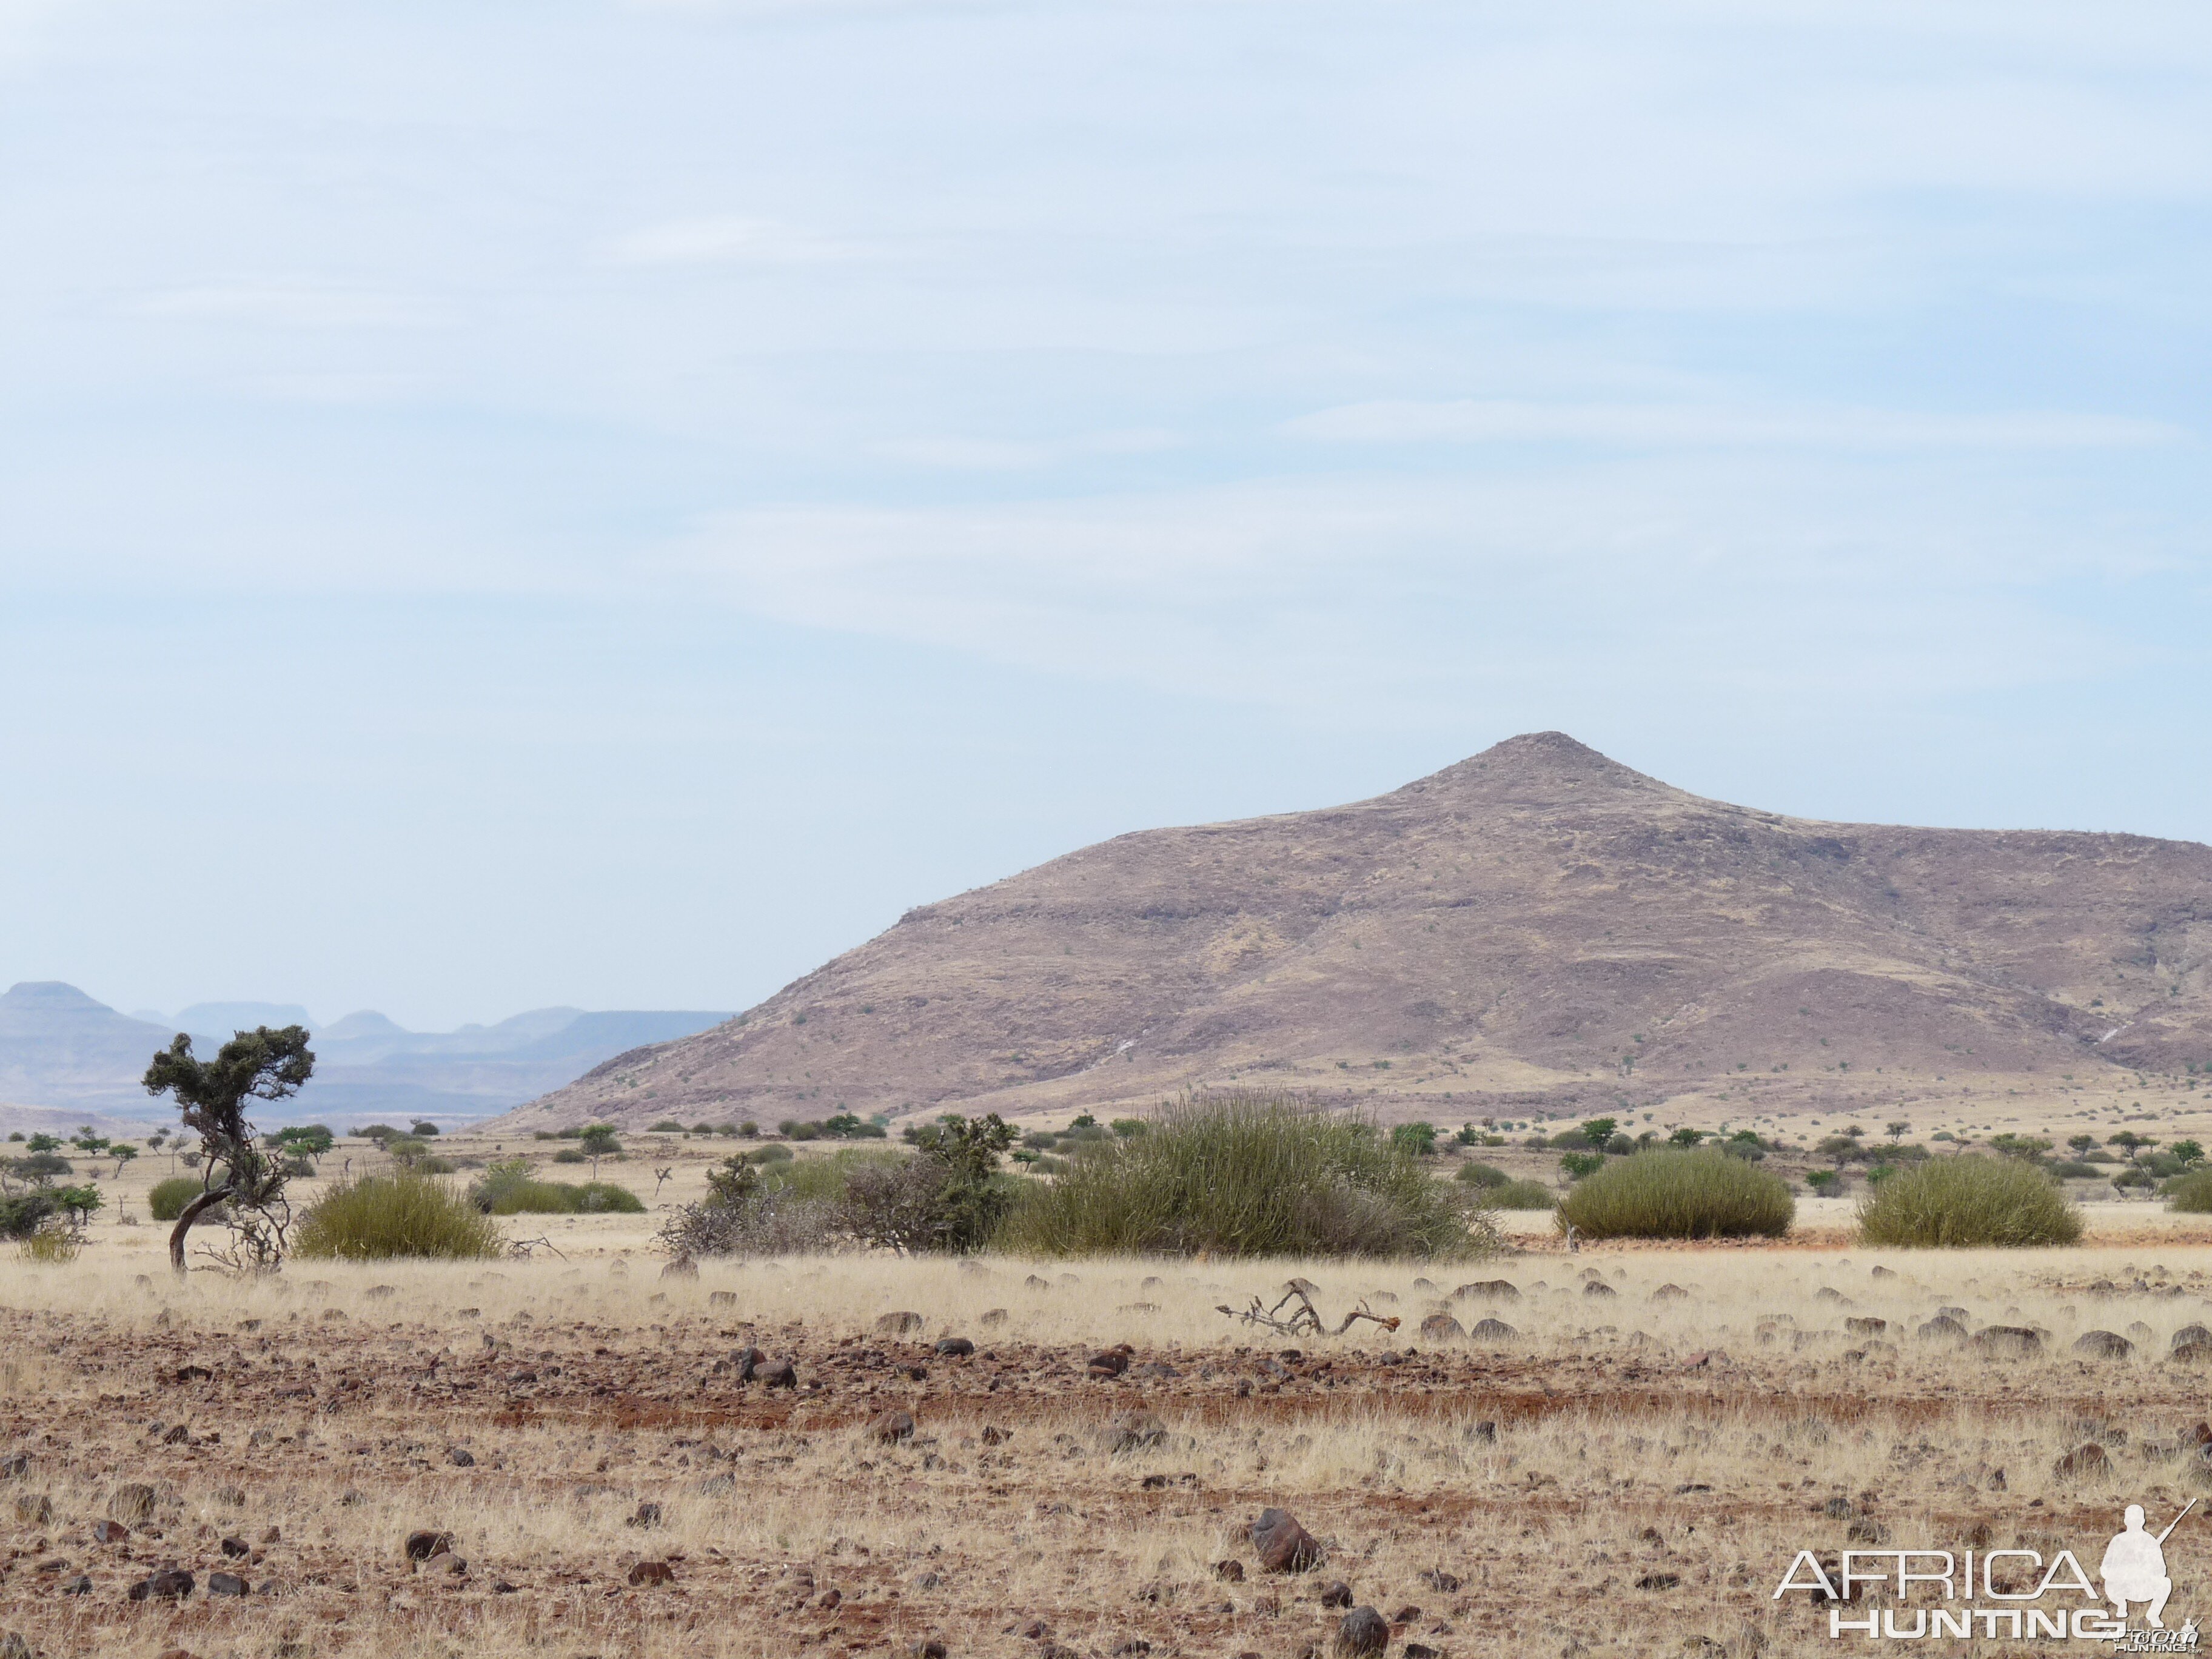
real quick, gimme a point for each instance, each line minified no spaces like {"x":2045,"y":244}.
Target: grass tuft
{"x":1669,"y":1194}
{"x":1969,"y":1202}
{"x":379,"y":1216}
{"x":1246,"y":1175}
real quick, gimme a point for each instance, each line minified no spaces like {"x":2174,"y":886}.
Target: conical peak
{"x":1538,"y":766}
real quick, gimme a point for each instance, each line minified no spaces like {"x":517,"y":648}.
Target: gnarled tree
{"x":213,"y":1095}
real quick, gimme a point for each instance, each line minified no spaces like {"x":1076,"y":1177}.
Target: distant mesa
{"x":1538,"y":927}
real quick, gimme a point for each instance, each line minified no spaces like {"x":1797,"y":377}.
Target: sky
{"x":611,"y":504}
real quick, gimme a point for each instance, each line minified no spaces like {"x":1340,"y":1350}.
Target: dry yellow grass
{"x":1701,"y":1437}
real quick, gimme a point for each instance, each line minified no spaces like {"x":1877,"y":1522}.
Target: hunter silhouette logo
{"x":1969,"y":1593}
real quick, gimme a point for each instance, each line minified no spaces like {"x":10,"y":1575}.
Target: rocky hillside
{"x":1535,"y":926}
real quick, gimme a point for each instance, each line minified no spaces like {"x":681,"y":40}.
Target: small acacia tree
{"x":212,"y":1096}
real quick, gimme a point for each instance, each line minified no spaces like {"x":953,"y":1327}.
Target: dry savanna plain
{"x":573,"y":1440}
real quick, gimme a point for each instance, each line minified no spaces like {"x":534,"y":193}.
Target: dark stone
{"x":648,"y":1514}
{"x":954,"y":1347}
{"x":1492,"y":1330}
{"x":898,"y":1324}
{"x":226,"y":1583}
{"x":2086,"y":1461}
{"x":109,"y":1532}
{"x":1867,"y":1326}
{"x":1282,"y":1545}
{"x":461,"y":1458}
{"x":2012,"y":1341}
{"x":1943,"y":1327}
{"x":1337,"y":1595}
{"x":422,"y":1546}
{"x":747,"y":1361}
{"x":1441,"y":1327}
{"x":1362,"y":1634}
{"x":994,"y":1436}
{"x":651,"y":1572}
{"x":234,"y":1547}
{"x":1488,"y":1290}
{"x":171,"y":1584}
{"x":2103,"y":1345}
{"x":1110,"y":1362}
{"x":1135,"y":1431}
{"x":891,"y":1427}
{"x":1228,"y":1572}
{"x":778,"y":1374}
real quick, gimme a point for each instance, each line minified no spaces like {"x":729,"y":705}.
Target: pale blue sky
{"x":611,"y":504}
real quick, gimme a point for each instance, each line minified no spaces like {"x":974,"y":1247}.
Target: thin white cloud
{"x":1688,"y":425}
{"x":728,"y":239}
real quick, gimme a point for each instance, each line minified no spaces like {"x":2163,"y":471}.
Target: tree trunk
{"x":192,"y":1212}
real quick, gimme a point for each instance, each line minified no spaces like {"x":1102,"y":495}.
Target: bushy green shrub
{"x":507,"y":1189}
{"x":1519,"y":1195}
{"x":22,"y":1214}
{"x":166,"y":1199}
{"x":1241,"y":1173}
{"x":1970,"y":1202}
{"x":1667,"y":1193}
{"x":2191,"y":1195}
{"x":1483,"y":1174}
{"x":406,"y":1214}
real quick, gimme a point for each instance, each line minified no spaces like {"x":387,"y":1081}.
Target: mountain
{"x":61,"y":1049}
{"x":1537,"y":927}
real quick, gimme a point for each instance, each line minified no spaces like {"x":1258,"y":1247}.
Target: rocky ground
{"x":534,"y":1458}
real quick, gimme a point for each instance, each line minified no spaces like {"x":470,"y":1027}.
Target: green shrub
{"x":1519,"y":1195}
{"x":51,"y":1246}
{"x":1667,"y":1193}
{"x":507,"y":1189}
{"x":2073,"y":1169}
{"x":1580,"y":1166}
{"x":1483,"y":1174}
{"x":408,"y":1214}
{"x":166,"y":1199}
{"x":2191,"y":1195}
{"x":22,"y":1214}
{"x":571,"y":1155}
{"x":1244,"y":1173}
{"x":1969,"y":1202}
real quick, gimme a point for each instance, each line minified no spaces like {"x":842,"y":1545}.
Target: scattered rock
{"x":234,"y":1547}
{"x":651,"y":1572}
{"x":461,"y":1458}
{"x":1362,"y":1634}
{"x":992,"y":1316}
{"x":1943,"y":1328}
{"x":892,"y":1428}
{"x":1669,"y":1293}
{"x":132,"y":1505}
{"x":992,"y":1435}
{"x":171,"y":1584}
{"x":1282,"y":1545}
{"x":933,"y":1649}
{"x":682,"y":1268}
{"x":2103,"y":1345}
{"x":2086,"y":1461}
{"x":226,"y":1583}
{"x":898,"y":1324}
{"x":109,"y":1532}
{"x":1441,"y":1327}
{"x":2009,"y":1342}
{"x":1336,"y":1595}
{"x":777,"y":1374}
{"x":1228,"y":1572}
{"x":1867,"y":1326}
{"x":422,"y":1546}
{"x":1110,"y":1362}
{"x":1598,"y":1287}
{"x":1138,"y":1431}
{"x":746,"y":1363}
{"x":1033,"y":1283}
{"x":1488,"y":1290}
{"x":955,"y":1347}
{"x":1492,"y":1330}
{"x":646,"y":1515}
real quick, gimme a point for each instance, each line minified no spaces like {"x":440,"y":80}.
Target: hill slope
{"x":1535,"y":926}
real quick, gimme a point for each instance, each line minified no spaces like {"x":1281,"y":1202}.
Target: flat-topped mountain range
{"x":1537,"y":927}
